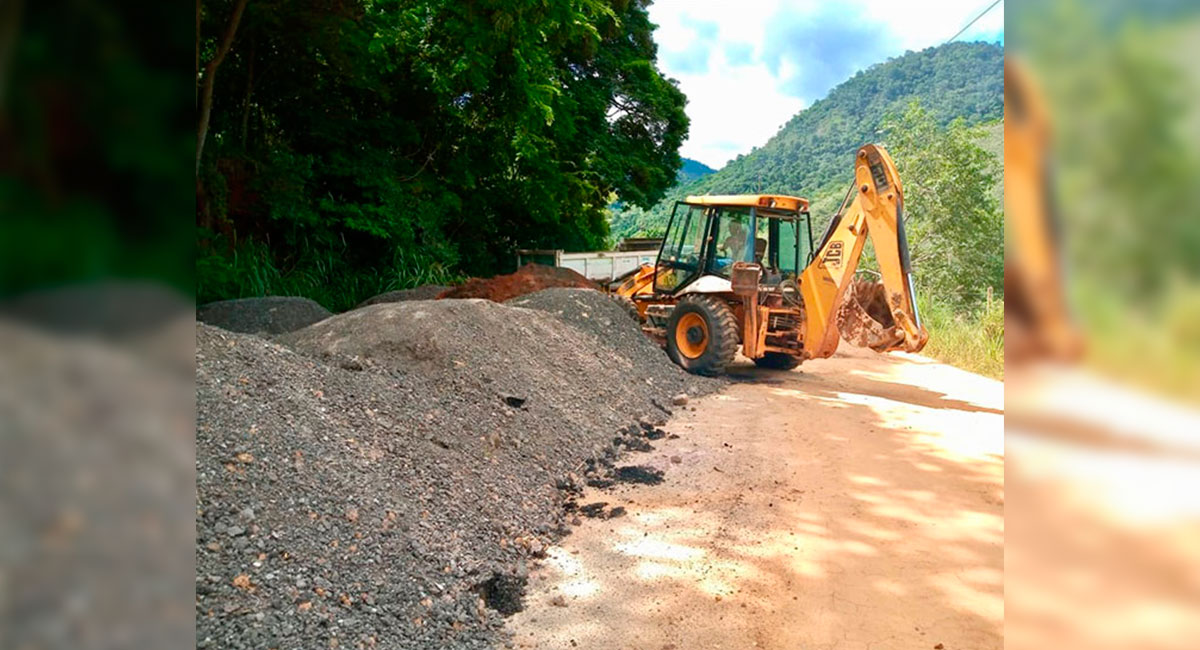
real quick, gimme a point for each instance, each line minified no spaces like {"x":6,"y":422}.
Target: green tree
{"x":952,"y":214}
{"x":98,"y":133}
{"x":354,"y":142}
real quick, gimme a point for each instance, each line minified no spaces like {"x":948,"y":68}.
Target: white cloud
{"x":736,"y":104}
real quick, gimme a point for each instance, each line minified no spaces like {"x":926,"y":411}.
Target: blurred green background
{"x":97,"y":129}
{"x":1122,"y":85}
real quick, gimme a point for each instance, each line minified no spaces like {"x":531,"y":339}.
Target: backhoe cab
{"x":744,"y":271}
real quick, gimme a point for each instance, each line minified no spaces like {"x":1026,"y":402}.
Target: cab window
{"x":734,"y":242}
{"x":682,"y":248}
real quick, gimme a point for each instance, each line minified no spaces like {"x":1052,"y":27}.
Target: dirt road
{"x":1103,"y":529}
{"x":854,"y":503}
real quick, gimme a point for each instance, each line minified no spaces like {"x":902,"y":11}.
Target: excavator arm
{"x":877,"y":210}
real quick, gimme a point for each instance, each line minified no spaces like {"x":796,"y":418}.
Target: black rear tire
{"x":720,"y":338}
{"x":777,"y":361}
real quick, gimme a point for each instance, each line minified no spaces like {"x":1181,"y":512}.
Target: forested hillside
{"x":811,"y":155}
{"x":693,"y":169}
{"x":349,"y":147}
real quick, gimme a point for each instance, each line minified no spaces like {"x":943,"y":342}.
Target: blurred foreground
{"x":96,"y":468}
{"x":1102,"y":539}
{"x":96,"y":387}
{"x":1103,"y":443}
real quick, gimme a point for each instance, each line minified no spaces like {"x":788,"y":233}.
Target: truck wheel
{"x":777,"y":361}
{"x":702,"y":335}
{"x":627,"y":305}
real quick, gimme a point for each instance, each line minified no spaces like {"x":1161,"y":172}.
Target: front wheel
{"x":777,"y":361}
{"x":702,"y":335}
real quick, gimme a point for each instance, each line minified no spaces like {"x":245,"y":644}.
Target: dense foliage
{"x":1126,"y":174}
{"x":356,"y":144}
{"x":953,"y":217}
{"x":812,"y":154}
{"x":1120,"y":82}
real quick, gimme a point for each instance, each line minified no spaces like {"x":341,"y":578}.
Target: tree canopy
{"x":360,"y":143}
{"x":952,"y":209}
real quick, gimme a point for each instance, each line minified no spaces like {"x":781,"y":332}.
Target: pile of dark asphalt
{"x":423,"y":292}
{"x":267,"y":315}
{"x":384,"y":477}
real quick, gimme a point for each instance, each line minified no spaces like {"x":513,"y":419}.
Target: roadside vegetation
{"x":251,"y":270}
{"x":1125,"y":179}
{"x":971,"y":339}
{"x":347,"y":147}
{"x":955,"y":225}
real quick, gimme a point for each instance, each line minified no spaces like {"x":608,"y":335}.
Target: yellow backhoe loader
{"x":743,"y":271}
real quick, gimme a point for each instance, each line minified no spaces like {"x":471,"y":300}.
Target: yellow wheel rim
{"x":691,"y":335}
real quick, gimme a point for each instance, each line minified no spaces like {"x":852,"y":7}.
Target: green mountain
{"x":693,"y":170}
{"x":812,"y":154}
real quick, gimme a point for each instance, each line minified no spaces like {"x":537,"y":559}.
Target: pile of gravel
{"x":423,"y":292}
{"x":269,"y":315}
{"x":565,"y":379}
{"x":599,"y":315}
{"x":383,"y":480}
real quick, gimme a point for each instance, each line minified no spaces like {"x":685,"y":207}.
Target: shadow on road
{"x":834,"y":504}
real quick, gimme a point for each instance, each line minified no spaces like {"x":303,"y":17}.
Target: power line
{"x":968,"y":25}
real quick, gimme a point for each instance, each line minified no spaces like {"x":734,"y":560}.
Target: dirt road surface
{"x":1103,"y":530}
{"x":856,"y":502}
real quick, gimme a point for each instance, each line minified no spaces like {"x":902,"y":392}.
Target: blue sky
{"x":748,"y":66}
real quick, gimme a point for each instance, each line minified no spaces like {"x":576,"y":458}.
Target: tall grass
{"x":248,"y":270}
{"x":969,"y":339}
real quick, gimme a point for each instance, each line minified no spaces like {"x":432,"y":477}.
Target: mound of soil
{"x":269,"y":315}
{"x":527,"y":279}
{"x":382,"y":480}
{"x":423,"y":292}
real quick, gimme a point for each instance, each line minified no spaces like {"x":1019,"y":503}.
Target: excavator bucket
{"x":864,"y":318}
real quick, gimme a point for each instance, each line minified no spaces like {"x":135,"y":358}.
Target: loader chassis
{"x":759,"y":249}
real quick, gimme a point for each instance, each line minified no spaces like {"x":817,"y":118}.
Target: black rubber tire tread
{"x":722,"y":333}
{"x":627,"y":305}
{"x":777,"y":361}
